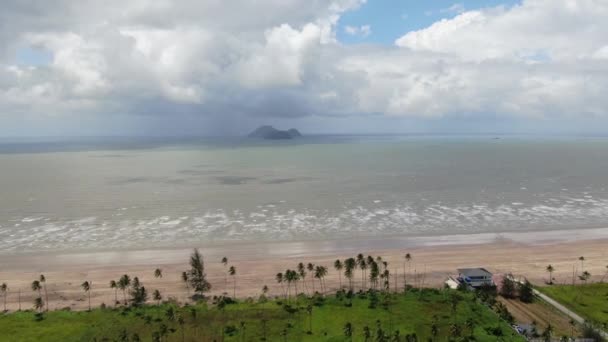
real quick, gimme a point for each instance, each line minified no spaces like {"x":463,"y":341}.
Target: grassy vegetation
{"x":589,"y":301}
{"x":446,"y":313}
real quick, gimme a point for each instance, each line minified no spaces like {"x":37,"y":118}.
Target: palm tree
{"x":374,"y":273}
{"x":339,"y":266}
{"x":348,"y":330}
{"x":349,"y":266}
{"x":46,"y":294}
{"x":320,"y":273}
{"x":455,"y":330}
{"x":114,"y":285}
{"x":181,"y":322}
{"x":309,"y":311}
{"x":279,"y":278}
{"x":318,"y":276}
{"x":572,"y":325}
{"x":37,"y":287}
{"x":550,"y":269}
{"x":157,"y":297}
{"x":582,"y":260}
{"x":264,"y":290}
{"x":158,"y":273}
{"x":548,"y":332}
{"x":86,"y":286}
{"x":470,"y":325}
{"x":123,"y":285}
{"x":4,"y":290}
{"x":434,"y":330}
{"x":408,"y":259}
{"x":186,"y":282}
{"x":291,"y":276}
{"x":585,"y":276}
{"x":367,"y":333}
{"x":38,"y":304}
{"x":302,"y":273}
{"x":363,"y":267}
{"x":232,"y":272}
{"x":225,"y":263}
{"x":311,"y":269}
{"x":360,"y":259}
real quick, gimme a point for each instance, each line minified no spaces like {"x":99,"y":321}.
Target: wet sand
{"x":434,"y":258}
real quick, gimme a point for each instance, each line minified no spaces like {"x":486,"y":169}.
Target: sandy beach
{"x":433,"y":258}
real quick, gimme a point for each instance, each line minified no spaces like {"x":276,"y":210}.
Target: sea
{"x":84,"y":194}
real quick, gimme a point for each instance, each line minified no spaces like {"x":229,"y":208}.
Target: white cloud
{"x":362,"y":31}
{"x":541,"y":59}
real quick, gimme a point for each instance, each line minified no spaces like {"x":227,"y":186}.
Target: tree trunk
{"x":46,"y":298}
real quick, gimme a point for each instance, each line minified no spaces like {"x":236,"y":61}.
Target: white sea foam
{"x":274,"y":223}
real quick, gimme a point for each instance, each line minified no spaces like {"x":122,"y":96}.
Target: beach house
{"x":475,"y":277}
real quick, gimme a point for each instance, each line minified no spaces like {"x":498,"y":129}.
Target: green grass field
{"x":589,"y":301}
{"x":407,"y":313}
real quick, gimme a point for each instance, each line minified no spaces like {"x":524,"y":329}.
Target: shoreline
{"x":434,"y":258}
{"x":533,"y":237}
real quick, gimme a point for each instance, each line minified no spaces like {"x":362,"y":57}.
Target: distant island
{"x":271,"y":133}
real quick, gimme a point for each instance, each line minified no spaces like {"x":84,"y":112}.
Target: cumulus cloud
{"x":277,"y":58}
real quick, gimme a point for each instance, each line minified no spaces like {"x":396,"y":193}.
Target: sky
{"x":215,"y":67}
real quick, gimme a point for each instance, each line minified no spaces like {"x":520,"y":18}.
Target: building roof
{"x":474,"y":272}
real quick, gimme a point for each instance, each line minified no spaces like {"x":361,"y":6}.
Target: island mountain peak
{"x":271,"y":133}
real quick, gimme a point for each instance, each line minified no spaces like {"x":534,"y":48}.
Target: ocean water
{"x":111,"y":193}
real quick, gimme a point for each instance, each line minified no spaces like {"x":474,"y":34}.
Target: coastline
{"x":523,"y":254}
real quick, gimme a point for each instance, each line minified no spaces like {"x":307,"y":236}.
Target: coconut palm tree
{"x":320,"y":273}
{"x":548,"y":333}
{"x":302,"y":273}
{"x":158,"y":273}
{"x":114,"y":285}
{"x":470,"y":325}
{"x":186,"y":281}
{"x":309,"y":311}
{"x":38,"y":304}
{"x":86,"y":286}
{"x":157,"y":297}
{"x":349,"y":266}
{"x":279,"y":278}
{"x":455,"y":330}
{"x":550,"y":269}
{"x":434,"y":330}
{"x":46,"y":294}
{"x":311,"y":269}
{"x":367,"y":333}
{"x":339,"y":266}
{"x":37,"y":287}
{"x":585,"y":276}
{"x":225,"y":263}
{"x":232,"y":272}
{"x":374,"y":273}
{"x":123,"y":284}
{"x":4,"y":290}
{"x":572,"y":325}
{"x":582,"y":260}
{"x":348,"y":330}
{"x":408,"y":259}
{"x":363,"y":267}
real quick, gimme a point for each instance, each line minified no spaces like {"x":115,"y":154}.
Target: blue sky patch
{"x":391,"y":19}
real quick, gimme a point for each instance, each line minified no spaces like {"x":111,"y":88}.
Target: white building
{"x":475,"y":277}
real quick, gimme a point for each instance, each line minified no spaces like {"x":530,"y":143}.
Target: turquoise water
{"x":142,"y":193}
